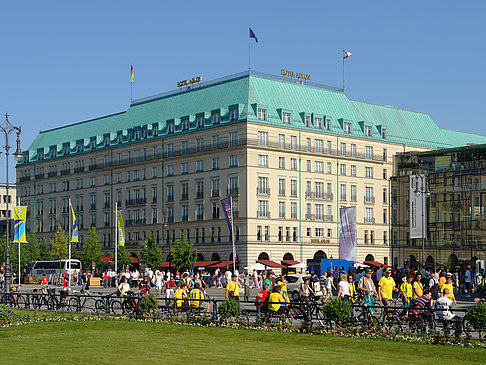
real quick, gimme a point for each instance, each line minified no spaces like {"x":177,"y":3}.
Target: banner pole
{"x":69,"y":241}
{"x":116,"y":237}
{"x":233,"y":234}
{"x":18,"y":204}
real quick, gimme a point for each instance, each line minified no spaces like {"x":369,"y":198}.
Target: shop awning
{"x":272,"y":264}
{"x":134,"y":260}
{"x":290,"y":262}
{"x":107,"y":258}
{"x":376,"y":263}
{"x":204,"y":263}
{"x":222,"y":264}
{"x":166,"y":264}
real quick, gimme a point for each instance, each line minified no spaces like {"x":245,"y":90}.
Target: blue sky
{"x":64,"y":62}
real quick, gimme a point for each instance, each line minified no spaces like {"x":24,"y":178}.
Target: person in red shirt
{"x":262,"y":297}
{"x":105,"y":280}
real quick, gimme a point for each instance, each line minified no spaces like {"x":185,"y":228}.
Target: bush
{"x":477,"y":317}
{"x":229,"y":308}
{"x":338,"y":310}
{"x":148,"y":304}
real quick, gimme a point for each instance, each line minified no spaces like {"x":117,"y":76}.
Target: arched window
{"x":370,"y":257}
{"x":215,"y":257}
{"x":263,"y":256}
{"x":288,"y":257}
{"x":320,"y":255}
{"x":200,"y":257}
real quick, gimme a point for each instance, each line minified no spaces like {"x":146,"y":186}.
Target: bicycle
{"x":393,"y":318}
{"x":108,"y":304}
{"x":15,"y":299}
{"x":81,"y":303}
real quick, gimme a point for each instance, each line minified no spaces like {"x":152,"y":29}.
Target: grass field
{"x":134,"y":342}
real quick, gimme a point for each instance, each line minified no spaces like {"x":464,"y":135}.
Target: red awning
{"x":272,"y":264}
{"x":222,"y":264}
{"x":107,"y":258}
{"x":134,"y":260}
{"x":166,"y":264}
{"x":376,"y":263}
{"x":290,"y":262}
{"x":204,"y":263}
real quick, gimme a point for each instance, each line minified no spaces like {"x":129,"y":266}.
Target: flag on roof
{"x":346,"y":54}
{"x":131,"y":73}
{"x":252,"y":35}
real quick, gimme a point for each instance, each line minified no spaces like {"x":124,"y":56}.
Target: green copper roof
{"x":249,"y":91}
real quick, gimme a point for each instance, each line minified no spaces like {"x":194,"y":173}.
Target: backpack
{"x":435,"y":290}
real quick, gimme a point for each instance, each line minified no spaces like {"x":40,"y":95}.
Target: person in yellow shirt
{"x":233,"y":289}
{"x":352,"y":288}
{"x":386,"y":286}
{"x":448,"y":285}
{"x":282,"y":282}
{"x":442,"y":279}
{"x":417,"y":287}
{"x":196,"y":296}
{"x":180,"y":297}
{"x":406,"y":291}
{"x":275,"y":299}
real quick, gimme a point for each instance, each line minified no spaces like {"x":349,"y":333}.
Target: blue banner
{"x":347,"y":233}
{"x":226,"y":203}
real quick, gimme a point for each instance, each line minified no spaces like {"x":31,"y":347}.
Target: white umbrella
{"x":360,"y":265}
{"x":256,"y":266}
{"x":300,"y":265}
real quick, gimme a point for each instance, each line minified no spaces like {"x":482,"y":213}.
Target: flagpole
{"x":116,"y":237}
{"x":233,"y":235}
{"x":343,"y":73}
{"x":249,"y":52}
{"x":18,"y":204}
{"x":70,"y":239}
{"x":131,"y":91}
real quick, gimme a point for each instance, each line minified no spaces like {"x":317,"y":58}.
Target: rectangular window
{"x":385,"y":195}
{"x":308,"y":145}
{"x":369,"y":216}
{"x":369,"y":195}
{"x":200,"y":121}
{"x":234,"y":161}
{"x":184,"y":168}
{"x":234,"y":114}
{"x":307,"y":120}
{"x":199,"y":165}
{"x":369,"y":172}
{"x":233,"y":139}
{"x":262,"y":114}
{"x":342,"y":149}
{"x":354,"y":190}
{"x":342,"y":169}
{"x":281,"y":162}
{"x":263,"y":209}
{"x":329,"y":168}
{"x":385,"y":174}
{"x":385,"y":216}
{"x":281,"y":141}
{"x":343,"y":192}
{"x":199,"y":145}
{"x":368,"y":131}
{"x":286,"y":118}
{"x":385,"y":154}
{"x":263,"y":160}
{"x":353,"y":150}
{"x":170,"y":171}
{"x":281,"y":210}
{"x":319,"y":166}
{"x":309,"y":165}
{"x":170,"y":151}
{"x":293,"y":210}
{"x":262,"y":187}
{"x":329,"y":147}
{"x":293,"y":142}
{"x":216,"y":117}
{"x":215,"y":163}
{"x":347,"y":127}
{"x":318,"y":123}
{"x":353,"y":170}
{"x":368,"y":152}
{"x":293,"y":164}
{"x":319,"y":145}
{"x":281,"y":187}
{"x":293,"y":188}
{"x":263,"y":139}
{"x":215,"y":142}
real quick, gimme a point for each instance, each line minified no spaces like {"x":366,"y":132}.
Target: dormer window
{"x":53,"y":150}
{"x":234,"y":114}
{"x":65,"y":149}
{"x":328,"y":124}
{"x":286,"y":118}
{"x":40,"y":154}
{"x":307,"y":120}
{"x":120,"y":137}
{"x":185,"y":124}
{"x":368,"y":131}
{"x":93,"y":143}
{"x":137,"y":134}
{"x":216,"y":118}
{"x":79,"y":147}
{"x":200,"y":121}
{"x":262,"y":114}
{"x":347,"y":127}
{"x":155,"y":130}
{"x":318,"y":123}
{"x":383,"y":133}
{"x":107,"y":141}
{"x":170,"y":127}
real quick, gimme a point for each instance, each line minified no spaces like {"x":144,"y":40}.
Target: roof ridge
{"x":83,"y":121}
{"x":454,"y":130}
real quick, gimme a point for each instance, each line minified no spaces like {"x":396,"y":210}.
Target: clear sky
{"x":63,"y":62}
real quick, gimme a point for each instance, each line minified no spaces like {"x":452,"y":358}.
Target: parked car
{"x":294,"y":283}
{"x":210,"y":281}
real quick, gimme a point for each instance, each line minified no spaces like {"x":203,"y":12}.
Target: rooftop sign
{"x":299,"y":75}
{"x":190,"y":81}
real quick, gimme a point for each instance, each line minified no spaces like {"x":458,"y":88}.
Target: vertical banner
{"x":417,"y":206}
{"x":347,"y":233}
{"x":75,"y":231}
{"x":121,"y":228}
{"x":228,"y":211}
{"x":20,"y":215}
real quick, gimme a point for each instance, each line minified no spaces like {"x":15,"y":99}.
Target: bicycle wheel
{"x":51,"y":303}
{"x":100,"y":306}
{"x":321,"y":319}
{"x":73,"y":304}
{"x":391,"y":322}
{"x":116,"y":307}
{"x":89,"y":305}
{"x":467,"y":327}
{"x":21,"y":301}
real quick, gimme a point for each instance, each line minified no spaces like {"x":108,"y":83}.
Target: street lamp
{"x":423,"y":190}
{"x":8,"y":129}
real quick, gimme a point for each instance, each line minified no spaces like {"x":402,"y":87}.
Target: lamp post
{"x":7,"y":130}
{"x":422,"y":190}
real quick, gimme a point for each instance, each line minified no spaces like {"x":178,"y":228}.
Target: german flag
{"x":131,"y":73}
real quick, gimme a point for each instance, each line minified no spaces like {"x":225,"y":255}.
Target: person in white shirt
{"x":343,"y":290}
{"x":443,"y":306}
{"x":329,"y":286}
{"x":467,"y":281}
{"x":228,"y":276}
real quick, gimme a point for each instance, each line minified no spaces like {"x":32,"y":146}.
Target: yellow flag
{"x":20,"y":215}
{"x":121,"y":228}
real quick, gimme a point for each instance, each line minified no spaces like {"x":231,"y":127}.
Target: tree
{"x":183,"y":255}
{"x":151,"y":254}
{"x":44,"y":253}
{"x":123,"y":258}
{"x":92,"y":249}
{"x":59,"y":245}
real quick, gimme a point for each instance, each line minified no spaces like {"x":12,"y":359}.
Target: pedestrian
{"x":386,"y":287}
{"x":368,"y":288}
{"x":233,"y":289}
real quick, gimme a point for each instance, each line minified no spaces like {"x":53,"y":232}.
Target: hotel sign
{"x":298,"y":75}
{"x":190,"y":81}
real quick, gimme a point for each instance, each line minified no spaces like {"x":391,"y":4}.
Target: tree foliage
{"x":183,"y":255}
{"x":59,"y":245}
{"x":91,"y":249}
{"x":151,"y":253}
{"x":123,"y":258}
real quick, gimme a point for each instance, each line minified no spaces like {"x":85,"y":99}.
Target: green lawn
{"x":108,"y":342}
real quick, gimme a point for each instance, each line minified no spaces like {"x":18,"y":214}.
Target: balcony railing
{"x":135,"y":222}
{"x":185,"y":196}
{"x":262,"y":190}
{"x":52,"y":174}
{"x":263,"y":214}
{"x":92,"y":207}
{"x":233,"y":191}
{"x":369,"y":199}
{"x":25,"y":178}
{"x":199,"y":194}
{"x":107,"y":205}
{"x":310,"y":217}
{"x":328,"y":218}
{"x":39,"y":176}
{"x":78,"y":169}
{"x":170,"y":198}
{"x":65,"y":172}
{"x":214,"y":193}
{"x":139,"y":201}
{"x":310,"y":194}
{"x":200,"y":217}
{"x":369,"y":220}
